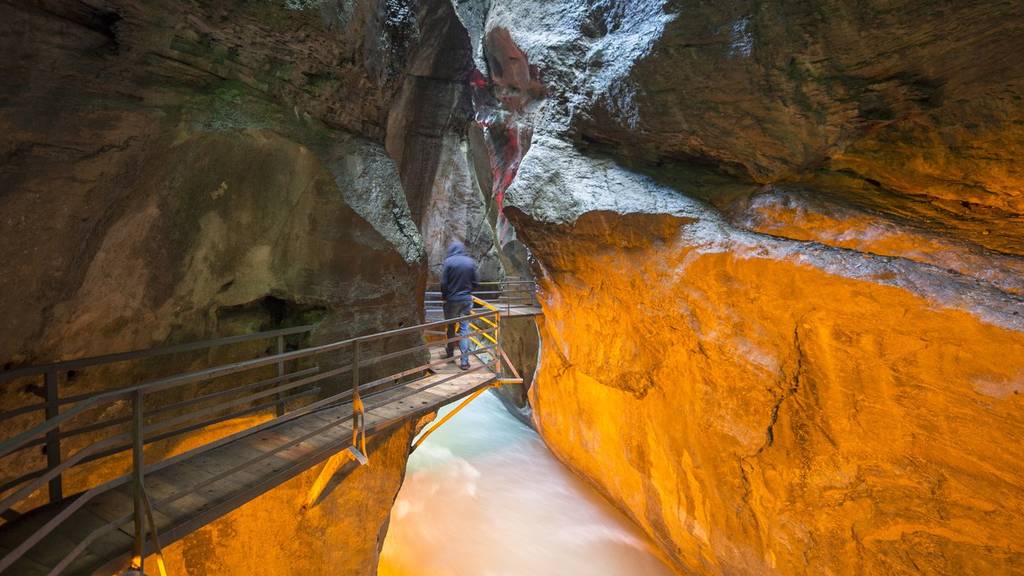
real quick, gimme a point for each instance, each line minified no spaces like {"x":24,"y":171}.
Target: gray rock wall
{"x":176,"y":171}
{"x":164,"y":163}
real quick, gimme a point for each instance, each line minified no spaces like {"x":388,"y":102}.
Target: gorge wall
{"x":341,"y":534}
{"x":781,"y":245}
{"x":167,"y":162}
{"x":174,"y":171}
{"x":780,"y":249}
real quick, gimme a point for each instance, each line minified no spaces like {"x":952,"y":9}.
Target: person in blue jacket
{"x":458,"y":278}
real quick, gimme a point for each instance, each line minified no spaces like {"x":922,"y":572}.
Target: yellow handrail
{"x":494,"y":323}
{"x":485,"y":304}
{"x":449,"y":416}
{"x":465,"y":402}
{"x":482,"y":333}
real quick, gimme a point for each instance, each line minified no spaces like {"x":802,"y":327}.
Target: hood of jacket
{"x":456,"y":249}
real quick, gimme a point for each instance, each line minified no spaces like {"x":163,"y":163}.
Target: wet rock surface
{"x":175,"y":171}
{"x":759,"y":411}
{"x":427,"y":136}
{"x":780,"y":250}
{"x":918,"y":97}
{"x":520,"y":339}
{"x":273,"y":534}
{"x":165,"y":161}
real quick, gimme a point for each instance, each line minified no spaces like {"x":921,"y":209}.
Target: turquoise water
{"x":483,"y":496}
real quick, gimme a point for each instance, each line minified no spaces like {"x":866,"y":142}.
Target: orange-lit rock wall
{"x":761,"y":406}
{"x":272,"y":535}
{"x":781,"y":252}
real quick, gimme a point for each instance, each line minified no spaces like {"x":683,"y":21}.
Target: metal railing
{"x":54,"y":374}
{"x":504,"y":295}
{"x":284,"y":385}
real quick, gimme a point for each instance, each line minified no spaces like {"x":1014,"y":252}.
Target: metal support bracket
{"x":331,"y":467}
{"x":358,"y":456}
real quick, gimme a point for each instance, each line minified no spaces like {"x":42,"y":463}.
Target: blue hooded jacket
{"x":459,"y":275}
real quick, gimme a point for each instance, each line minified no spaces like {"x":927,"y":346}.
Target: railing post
{"x":358,"y":434}
{"x":52,"y":385}
{"x":355,"y":369}
{"x":497,"y":345}
{"x":280,"y":373}
{"x":138,"y":465}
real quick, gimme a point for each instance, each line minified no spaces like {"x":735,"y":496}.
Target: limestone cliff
{"x":780,"y":251}
{"x":174,"y":171}
{"x":342,"y":534}
{"x":166,"y":162}
{"x":781,"y":244}
{"x":764,"y":407}
{"x":427,"y":136}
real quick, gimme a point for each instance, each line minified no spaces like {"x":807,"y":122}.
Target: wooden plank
{"x":321,"y":437}
{"x":43,"y":553}
{"x":182,"y":507}
{"x":26,"y":566}
{"x":77,"y":528}
{"x":108,"y":507}
{"x":272,"y":443}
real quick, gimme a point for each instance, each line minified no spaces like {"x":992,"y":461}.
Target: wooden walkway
{"x":193,"y":491}
{"x":101,"y":529}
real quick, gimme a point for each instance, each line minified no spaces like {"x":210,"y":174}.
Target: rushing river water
{"x":483,"y":496}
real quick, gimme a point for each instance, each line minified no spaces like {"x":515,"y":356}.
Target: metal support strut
{"x":138,"y":480}
{"x":358,"y":448}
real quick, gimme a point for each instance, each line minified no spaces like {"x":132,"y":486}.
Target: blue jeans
{"x":454,"y":310}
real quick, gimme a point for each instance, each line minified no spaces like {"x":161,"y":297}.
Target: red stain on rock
{"x":501,"y":104}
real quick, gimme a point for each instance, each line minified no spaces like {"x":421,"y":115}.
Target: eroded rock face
{"x":273,"y":534}
{"x":769,"y":407}
{"x":919,"y":97}
{"x":176,"y":171}
{"x":780,"y":262}
{"x":164,"y":164}
{"x":427,"y":136}
{"x":520,"y":340}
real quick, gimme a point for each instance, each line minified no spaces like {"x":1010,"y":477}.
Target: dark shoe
{"x":464,"y":366}
{"x":449,"y":353}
